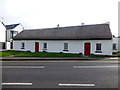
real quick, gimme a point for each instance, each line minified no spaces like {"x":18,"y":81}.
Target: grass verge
{"x":10,"y":52}
{"x":47,"y":54}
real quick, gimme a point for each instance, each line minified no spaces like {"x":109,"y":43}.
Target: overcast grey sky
{"x":49,"y":13}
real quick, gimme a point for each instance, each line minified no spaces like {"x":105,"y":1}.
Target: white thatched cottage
{"x":85,"y":39}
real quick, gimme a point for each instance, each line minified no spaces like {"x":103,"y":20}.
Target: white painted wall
{"x":106,"y":47}
{"x":29,"y":45}
{"x":2,"y":32}
{"x":75,"y":46}
{"x":116,"y":40}
{"x":8,"y":33}
{"x":18,"y":28}
{"x":8,"y":45}
{"x":118,"y":44}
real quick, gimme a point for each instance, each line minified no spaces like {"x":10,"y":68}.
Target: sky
{"x":33,"y":14}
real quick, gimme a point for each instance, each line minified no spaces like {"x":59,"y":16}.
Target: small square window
{"x":98,"y":46}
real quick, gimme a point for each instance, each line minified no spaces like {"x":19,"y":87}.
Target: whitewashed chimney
{"x":82,"y":24}
{"x":58,"y":25}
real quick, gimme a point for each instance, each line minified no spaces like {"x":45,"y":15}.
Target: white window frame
{"x":115,"y":47}
{"x":22,"y":45}
{"x":45,"y":47}
{"x":98,"y":49}
{"x":66,"y":47}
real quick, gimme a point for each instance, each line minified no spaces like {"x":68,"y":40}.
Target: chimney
{"x":82,"y":24}
{"x":108,"y":22}
{"x":58,"y":25}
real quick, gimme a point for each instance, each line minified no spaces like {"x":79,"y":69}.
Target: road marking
{"x":116,"y":58}
{"x":95,"y":66}
{"x":25,"y":84}
{"x":23,"y":67}
{"x":78,"y":85}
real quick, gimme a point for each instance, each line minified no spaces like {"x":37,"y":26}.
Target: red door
{"x":87,"y":48}
{"x":36,"y":46}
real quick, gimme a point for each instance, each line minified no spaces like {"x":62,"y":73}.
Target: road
{"x":60,"y":74}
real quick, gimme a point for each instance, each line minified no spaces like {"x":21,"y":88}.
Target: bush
{"x":91,"y":54}
{"x":29,"y":51}
{"x":80,"y":53}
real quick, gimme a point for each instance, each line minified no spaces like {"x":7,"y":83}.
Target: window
{"x":44,"y":46}
{"x":3,"y":45}
{"x":23,"y":45}
{"x":98,"y":48}
{"x":65,"y":46}
{"x":15,"y":33}
{"x":114,"y":46}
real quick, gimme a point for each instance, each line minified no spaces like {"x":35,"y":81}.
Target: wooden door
{"x":87,"y":49}
{"x":36,"y":46}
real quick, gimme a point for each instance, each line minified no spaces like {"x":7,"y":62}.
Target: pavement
{"x":50,"y":58}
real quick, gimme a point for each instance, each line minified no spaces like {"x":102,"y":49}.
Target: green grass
{"x":47,"y":54}
{"x":10,"y":52}
{"x":116,"y":53}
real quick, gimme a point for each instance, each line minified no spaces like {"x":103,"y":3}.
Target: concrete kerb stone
{"x":46,"y":58}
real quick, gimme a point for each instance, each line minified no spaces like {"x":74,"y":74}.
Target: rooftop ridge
{"x":68,"y":26}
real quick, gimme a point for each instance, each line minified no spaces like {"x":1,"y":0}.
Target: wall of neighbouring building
{"x":2,"y":32}
{"x":116,"y":41}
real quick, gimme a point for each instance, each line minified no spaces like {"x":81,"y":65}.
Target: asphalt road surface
{"x":60,"y":74}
